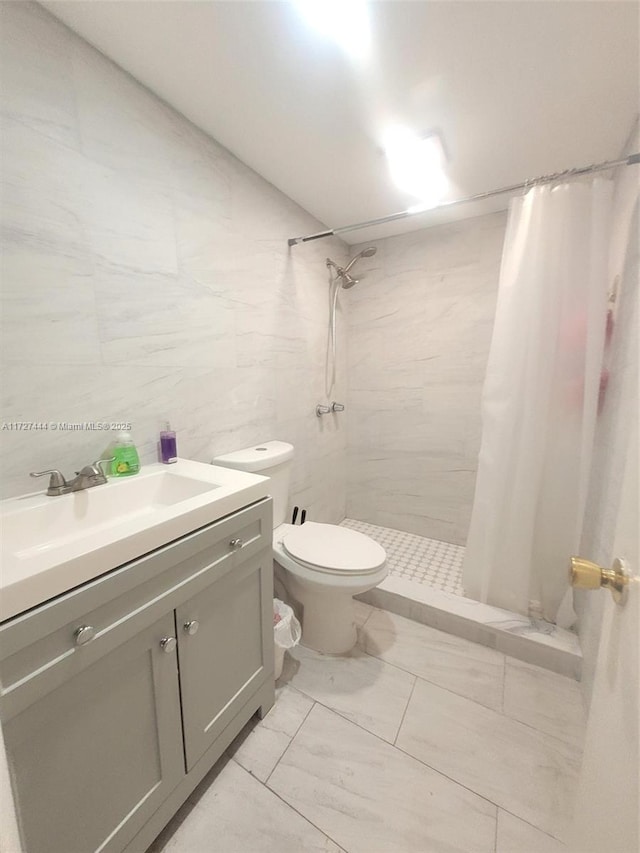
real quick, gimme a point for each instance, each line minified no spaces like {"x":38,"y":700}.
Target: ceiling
{"x":516,"y":89}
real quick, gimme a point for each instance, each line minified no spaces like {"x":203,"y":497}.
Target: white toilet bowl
{"x":323,"y":565}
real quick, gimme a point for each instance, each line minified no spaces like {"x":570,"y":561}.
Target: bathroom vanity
{"x":119,"y":694}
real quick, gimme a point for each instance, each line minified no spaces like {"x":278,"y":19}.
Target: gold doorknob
{"x":583,"y":574}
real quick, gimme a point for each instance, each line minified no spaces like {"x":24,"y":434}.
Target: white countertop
{"x":52,"y":544}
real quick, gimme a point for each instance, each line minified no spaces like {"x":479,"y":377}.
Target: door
{"x":94,"y":756}
{"x":608,"y":805}
{"x":225,"y":646}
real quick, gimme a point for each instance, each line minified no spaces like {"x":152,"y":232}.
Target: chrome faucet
{"x":86,"y":478}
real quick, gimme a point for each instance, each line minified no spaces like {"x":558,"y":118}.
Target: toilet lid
{"x":327,"y":547}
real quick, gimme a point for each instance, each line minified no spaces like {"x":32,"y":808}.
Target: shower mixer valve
{"x":329,"y":410}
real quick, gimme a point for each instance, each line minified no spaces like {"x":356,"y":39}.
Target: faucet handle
{"x":337,"y":407}
{"x":100,"y":462}
{"x":57,"y":478}
{"x":95,"y":469}
{"x":57,"y":483}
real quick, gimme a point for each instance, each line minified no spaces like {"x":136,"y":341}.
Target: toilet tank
{"x":270,"y":459}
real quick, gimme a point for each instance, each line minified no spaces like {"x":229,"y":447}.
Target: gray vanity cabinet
{"x":223,"y":661}
{"x":106,"y":739}
{"x":94,"y":756}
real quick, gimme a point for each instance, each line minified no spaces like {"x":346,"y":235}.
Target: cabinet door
{"x":95,"y":756}
{"x":231,"y":653}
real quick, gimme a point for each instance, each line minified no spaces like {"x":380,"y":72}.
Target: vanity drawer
{"x":44,"y":646}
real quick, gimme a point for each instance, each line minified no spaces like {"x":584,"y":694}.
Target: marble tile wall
{"x":146,"y":276}
{"x":420,"y":326}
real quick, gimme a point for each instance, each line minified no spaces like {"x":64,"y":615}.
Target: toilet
{"x":322,"y":566}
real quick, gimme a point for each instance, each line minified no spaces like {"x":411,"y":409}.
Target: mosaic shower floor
{"x":416,"y":558}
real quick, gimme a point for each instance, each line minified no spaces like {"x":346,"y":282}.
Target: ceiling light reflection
{"x":344,"y":21}
{"x":417,"y":166}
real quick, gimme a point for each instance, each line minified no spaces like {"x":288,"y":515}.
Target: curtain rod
{"x":403,"y":214}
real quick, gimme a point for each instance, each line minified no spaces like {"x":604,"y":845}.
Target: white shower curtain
{"x":540,"y":398}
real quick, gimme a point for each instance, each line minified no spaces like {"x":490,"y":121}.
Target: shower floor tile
{"x":416,"y":558}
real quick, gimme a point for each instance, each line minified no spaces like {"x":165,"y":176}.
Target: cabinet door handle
{"x":84,"y":634}
{"x":236,"y":543}
{"x":191,"y":627}
{"x":168,"y":644}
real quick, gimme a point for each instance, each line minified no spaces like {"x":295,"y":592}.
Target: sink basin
{"x":32,"y":529}
{"x":51,"y":544}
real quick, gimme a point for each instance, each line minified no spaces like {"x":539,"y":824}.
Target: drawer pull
{"x":236,"y":543}
{"x":84,"y":635}
{"x":191,"y":627}
{"x":168,"y":644}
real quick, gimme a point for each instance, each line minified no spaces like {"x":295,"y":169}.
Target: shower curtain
{"x":540,"y":399}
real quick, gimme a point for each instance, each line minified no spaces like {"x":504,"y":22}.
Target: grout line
{"x":450,"y":778}
{"x":406,"y":708}
{"x":313,"y":702}
{"x":495,"y":840}
{"x":529,"y":726}
{"x":291,"y":739}
{"x":288,"y":804}
{"x":404,"y":752}
{"x":304,"y":817}
{"x":410,"y":756}
{"x":433,"y":683}
{"x":528,"y":822}
{"x":500,"y":711}
{"x":420,"y":761}
{"x":392,"y":746}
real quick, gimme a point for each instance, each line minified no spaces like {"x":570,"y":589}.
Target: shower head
{"x":348,"y":280}
{"x":343,"y":273}
{"x":369,"y":252}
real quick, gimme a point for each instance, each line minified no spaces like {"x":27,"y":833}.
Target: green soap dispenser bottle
{"x":125,"y":456}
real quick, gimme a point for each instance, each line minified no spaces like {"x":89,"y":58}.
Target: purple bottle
{"x":168,"y":446}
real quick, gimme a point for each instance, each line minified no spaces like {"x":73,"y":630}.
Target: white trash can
{"x":286,"y":632}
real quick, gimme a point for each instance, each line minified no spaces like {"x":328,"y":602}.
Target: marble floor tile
{"x":525,"y":771}
{"x":466,"y":668}
{"x":259,"y":747}
{"x":545,"y":700}
{"x":371,"y":798}
{"x":237,"y":814}
{"x":361,"y":688}
{"x":516,"y":836}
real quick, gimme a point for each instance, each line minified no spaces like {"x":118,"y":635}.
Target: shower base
{"x":416,"y":558}
{"x":425,"y":584}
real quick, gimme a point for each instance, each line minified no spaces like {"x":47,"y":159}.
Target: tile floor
{"x":416,"y":558}
{"x":416,"y":742}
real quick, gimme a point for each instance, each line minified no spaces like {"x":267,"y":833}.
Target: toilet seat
{"x":329,"y":549}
